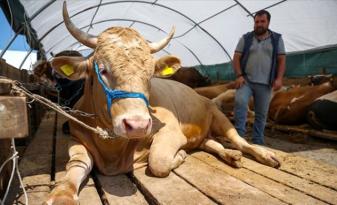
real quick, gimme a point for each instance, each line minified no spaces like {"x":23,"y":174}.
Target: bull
{"x":154,"y":121}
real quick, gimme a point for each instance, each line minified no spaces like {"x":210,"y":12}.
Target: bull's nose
{"x":137,"y":127}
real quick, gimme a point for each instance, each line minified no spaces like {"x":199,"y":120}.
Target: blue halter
{"x":116,"y":94}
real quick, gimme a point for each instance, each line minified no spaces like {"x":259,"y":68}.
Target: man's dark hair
{"x":262,"y":12}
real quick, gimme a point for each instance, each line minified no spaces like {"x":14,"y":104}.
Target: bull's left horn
{"x":82,"y":37}
{"x":157,"y":46}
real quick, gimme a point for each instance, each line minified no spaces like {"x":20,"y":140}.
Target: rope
{"x":15,"y":167}
{"x":19,"y":88}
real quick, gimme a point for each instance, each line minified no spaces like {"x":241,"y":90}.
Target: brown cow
{"x":157,"y":135}
{"x":44,"y":72}
{"x":290,"y":106}
{"x":213,"y":91}
{"x":226,"y":100}
{"x":190,"y":76}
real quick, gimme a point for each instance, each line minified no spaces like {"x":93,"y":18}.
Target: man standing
{"x":259,"y":65}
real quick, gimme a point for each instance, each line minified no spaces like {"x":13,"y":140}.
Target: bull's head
{"x":122,"y":62}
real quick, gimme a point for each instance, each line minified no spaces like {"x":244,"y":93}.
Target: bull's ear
{"x":72,"y":68}
{"x":166,"y":66}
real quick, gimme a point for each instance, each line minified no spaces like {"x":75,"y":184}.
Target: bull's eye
{"x":104,"y":72}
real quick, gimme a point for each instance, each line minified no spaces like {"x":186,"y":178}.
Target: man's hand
{"x":239,"y":82}
{"x":277,"y":84}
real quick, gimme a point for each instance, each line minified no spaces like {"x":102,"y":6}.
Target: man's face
{"x":261,"y":24}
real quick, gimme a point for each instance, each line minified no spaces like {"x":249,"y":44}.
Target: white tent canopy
{"x":206,"y":31}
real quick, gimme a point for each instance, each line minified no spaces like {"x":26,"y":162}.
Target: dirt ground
{"x":315,"y":148}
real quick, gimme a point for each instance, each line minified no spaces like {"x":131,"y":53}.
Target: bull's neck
{"x":94,"y":100}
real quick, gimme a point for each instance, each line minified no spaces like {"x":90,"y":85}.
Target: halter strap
{"x":117,"y":94}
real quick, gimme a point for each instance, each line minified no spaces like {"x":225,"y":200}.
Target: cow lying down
{"x":323,"y":111}
{"x":119,"y":85}
{"x":291,"y":106}
{"x":226,"y":102}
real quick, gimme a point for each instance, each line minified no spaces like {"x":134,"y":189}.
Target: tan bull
{"x":177,"y":119}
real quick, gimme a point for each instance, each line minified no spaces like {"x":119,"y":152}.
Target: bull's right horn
{"x":82,"y":37}
{"x":157,"y":46}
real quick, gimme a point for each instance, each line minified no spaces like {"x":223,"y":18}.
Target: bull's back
{"x":180,"y":99}
{"x":192,"y":111}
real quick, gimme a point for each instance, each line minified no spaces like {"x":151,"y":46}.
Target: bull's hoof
{"x":277,"y":162}
{"x":63,"y":194}
{"x":62,"y":200}
{"x":179,"y":159}
{"x":268,"y":158}
{"x":232,"y":157}
{"x":272,"y":161}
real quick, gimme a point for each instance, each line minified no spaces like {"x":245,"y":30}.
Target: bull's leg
{"x":222,"y":126}
{"x":232,"y":157}
{"x":165,"y":151}
{"x":78,"y":168}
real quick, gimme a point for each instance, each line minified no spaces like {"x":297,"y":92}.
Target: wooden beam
{"x":13,"y":117}
{"x":5,"y":88}
{"x":169,"y":190}
{"x":331,"y":135}
{"x":326,"y":134}
{"x":312,"y":170}
{"x":291,"y":177}
{"x":278,"y":190}
{"x":120,"y":190}
{"x":5,"y":153}
{"x":220,"y":186}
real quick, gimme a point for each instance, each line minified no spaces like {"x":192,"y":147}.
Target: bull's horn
{"x":82,"y":37}
{"x":157,"y":46}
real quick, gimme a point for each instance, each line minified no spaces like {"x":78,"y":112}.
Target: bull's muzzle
{"x":137,"y":127}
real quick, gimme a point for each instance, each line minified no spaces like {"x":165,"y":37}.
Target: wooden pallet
{"x":201,"y":179}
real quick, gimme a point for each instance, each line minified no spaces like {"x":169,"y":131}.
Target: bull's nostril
{"x":148,"y":125}
{"x":128,"y":127}
{"x":136,"y":127}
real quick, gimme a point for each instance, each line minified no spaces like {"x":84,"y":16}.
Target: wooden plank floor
{"x":201,"y":179}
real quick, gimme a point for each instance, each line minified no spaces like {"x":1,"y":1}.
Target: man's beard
{"x":260,"y":31}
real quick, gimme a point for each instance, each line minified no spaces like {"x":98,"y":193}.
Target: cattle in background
{"x":70,"y":91}
{"x":43,"y":72}
{"x":226,"y":101}
{"x":319,"y":79}
{"x":322,"y":113}
{"x":151,"y":121}
{"x":290,"y":106}
{"x":190,"y":76}
{"x":213,"y":91}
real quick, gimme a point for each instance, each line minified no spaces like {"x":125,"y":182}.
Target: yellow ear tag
{"x":67,"y":69}
{"x":167,"y":71}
